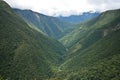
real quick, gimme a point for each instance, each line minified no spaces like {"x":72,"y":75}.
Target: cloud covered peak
{"x":64,"y":7}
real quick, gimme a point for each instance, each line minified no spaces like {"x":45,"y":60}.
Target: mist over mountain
{"x":65,"y":7}
{"x":34,"y":46}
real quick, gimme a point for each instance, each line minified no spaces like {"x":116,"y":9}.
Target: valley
{"x":35,"y":46}
{"x":51,"y":26}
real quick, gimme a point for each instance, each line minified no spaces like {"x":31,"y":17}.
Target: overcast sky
{"x":64,"y":7}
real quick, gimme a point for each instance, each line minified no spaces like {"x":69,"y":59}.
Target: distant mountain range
{"x":79,"y":18}
{"x":30,"y":50}
{"x":54,"y":27}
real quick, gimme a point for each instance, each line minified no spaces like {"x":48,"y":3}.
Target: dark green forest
{"x":34,"y":46}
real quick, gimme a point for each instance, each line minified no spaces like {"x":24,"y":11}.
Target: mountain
{"x":25,"y":53}
{"x":79,"y":18}
{"x":52,"y":26}
{"x":94,"y":53}
{"x":80,"y":33}
{"x":91,"y":52}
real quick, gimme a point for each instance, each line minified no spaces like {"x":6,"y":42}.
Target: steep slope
{"x":82,"y":34}
{"x":79,"y":18}
{"x":50,"y":25}
{"x":25,"y":54}
{"x":100,"y":58}
{"x":100,"y":61}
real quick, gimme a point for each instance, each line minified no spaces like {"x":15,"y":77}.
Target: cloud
{"x":103,"y":5}
{"x":64,"y":7}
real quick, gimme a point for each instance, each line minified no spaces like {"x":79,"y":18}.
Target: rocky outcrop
{"x":110,"y":30}
{"x":116,"y":28}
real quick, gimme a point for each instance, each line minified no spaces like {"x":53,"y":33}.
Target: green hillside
{"x":25,"y":54}
{"x":95,"y":56}
{"x":52,"y":26}
{"x":88,"y":32}
{"x":101,"y":61}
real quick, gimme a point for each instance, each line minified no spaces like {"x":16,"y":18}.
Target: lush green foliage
{"x":52,"y":26}
{"x":25,"y":54}
{"x":84,"y":33}
{"x":98,"y":56}
{"x":101,"y":61}
{"x":28,"y":54}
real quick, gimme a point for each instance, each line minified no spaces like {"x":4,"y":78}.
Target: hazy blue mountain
{"x":79,"y":18}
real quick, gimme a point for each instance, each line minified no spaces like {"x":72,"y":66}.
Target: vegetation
{"x":101,"y":61}
{"x":97,"y":57}
{"x":52,"y":26}
{"x":27,"y":53}
{"x":88,"y":32}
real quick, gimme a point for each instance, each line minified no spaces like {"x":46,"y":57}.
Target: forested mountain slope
{"x":82,"y":34}
{"x":52,"y":26}
{"x":25,"y":54}
{"x":99,"y":57}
